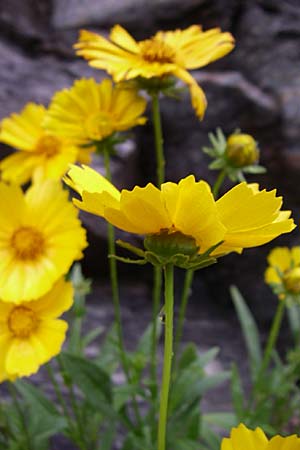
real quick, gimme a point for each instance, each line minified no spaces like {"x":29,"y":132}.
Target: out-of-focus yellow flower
{"x":40,"y":237}
{"x":241,"y":438}
{"x":242,"y":150}
{"x":40,"y":153}
{"x":89,"y":112}
{"x":244,"y":217}
{"x":167,"y":53}
{"x":30,"y":333}
{"x":283,"y":273}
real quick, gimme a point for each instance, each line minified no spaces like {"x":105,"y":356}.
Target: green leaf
{"x":237,"y":392}
{"x":94,"y":383}
{"x":43,"y":418}
{"x":249,"y":329}
{"x":91,"y":336}
{"x":108,"y":356}
{"x":293,"y":314}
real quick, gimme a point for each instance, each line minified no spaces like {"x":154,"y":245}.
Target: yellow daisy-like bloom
{"x":244,"y":217}
{"x":40,"y":237}
{"x":241,"y":438}
{"x":284,"y":269}
{"x":30,"y":333}
{"x":91,"y":111}
{"x":166,"y":53}
{"x":41,"y":154}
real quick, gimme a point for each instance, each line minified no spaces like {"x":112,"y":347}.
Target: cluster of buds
{"x":236,"y":155}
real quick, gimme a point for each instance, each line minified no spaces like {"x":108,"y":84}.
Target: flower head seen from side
{"x":166,"y":54}
{"x":31,"y":333}
{"x":40,"y":237}
{"x":90,"y":112}
{"x":235,"y":156}
{"x":283,"y":273}
{"x":244,"y":217}
{"x":242,"y":438}
{"x":39,"y":153}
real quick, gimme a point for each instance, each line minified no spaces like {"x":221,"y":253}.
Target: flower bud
{"x":241,"y":150}
{"x":291,"y":280}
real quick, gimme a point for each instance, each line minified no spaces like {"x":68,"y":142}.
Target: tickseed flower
{"x":40,"y":153}
{"x":244,"y":217}
{"x":236,"y":155}
{"x":30,"y":333}
{"x":166,"y":54}
{"x":241,"y":438}
{"x":40,"y":237}
{"x":283,"y":273}
{"x":89,"y":112}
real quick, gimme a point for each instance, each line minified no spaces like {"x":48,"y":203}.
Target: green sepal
{"x":132,"y":248}
{"x":139,"y":262}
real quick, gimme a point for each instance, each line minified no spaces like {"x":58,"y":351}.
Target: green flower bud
{"x":241,"y":150}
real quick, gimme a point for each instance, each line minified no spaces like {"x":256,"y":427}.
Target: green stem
{"x":218,"y":183}
{"x":160,"y":159}
{"x":272,"y":337}
{"x":157,"y":284}
{"x":168,"y":353}
{"x":188,"y":280}
{"x":115,"y":289}
{"x":13,"y":393}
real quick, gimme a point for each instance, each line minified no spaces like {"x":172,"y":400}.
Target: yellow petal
{"x":22,"y":358}
{"x":284,"y":443}
{"x":281,"y":258}
{"x":55,"y":302}
{"x":244,"y":439}
{"x":197,"y":95}
{"x":271,"y":276}
{"x":123,"y":39}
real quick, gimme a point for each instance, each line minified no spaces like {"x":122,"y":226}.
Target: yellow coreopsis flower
{"x":244,"y":217}
{"x":30,"y":333}
{"x":89,"y":112}
{"x":241,"y":438}
{"x":40,"y":237}
{"x":166,"y":53}
{"x":40,"y":153}
{"x":283,"y":273}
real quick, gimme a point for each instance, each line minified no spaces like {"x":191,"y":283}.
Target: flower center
{"x":99,"y":125}
{"x":156,"y":50}
{"x":27,"y":243}
{"x":22,"y":321}
{"x":291,"y":280}
{"x":48,"y":146}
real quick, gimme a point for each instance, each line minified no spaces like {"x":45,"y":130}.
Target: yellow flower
{"x":241,"y":438}
{"x":166,"y":53}
{"x":284,"y":269}
{"x":241,"y":150}
{"x":244,"y":217}
{"x":91,"y":111}
{"x":40,"y":237}
{"x":30,"y":333}
{"x":40,"y":154}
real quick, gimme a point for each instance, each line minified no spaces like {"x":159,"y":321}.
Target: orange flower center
{"x":99,"y":125}
{"x":291,"y":280}
{"x":156,"y":50}
{"x":48,"y":146}
{"x":27,"y":243}
{"x":22,"y":321}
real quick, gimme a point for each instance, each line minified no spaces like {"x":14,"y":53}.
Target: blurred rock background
{"x":256,"y":88}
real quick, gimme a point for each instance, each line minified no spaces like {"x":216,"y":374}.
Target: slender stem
{"x":272,"y":337}
{"x":157,"y":271}
{"x":160,"y":159}
{"x":188,"y":280}
{"x":157,"y":284}
{"x":218,"y":183}
{"x":168,"y":353}
{"x":115,"y":290}
{"x":13,"y":393}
